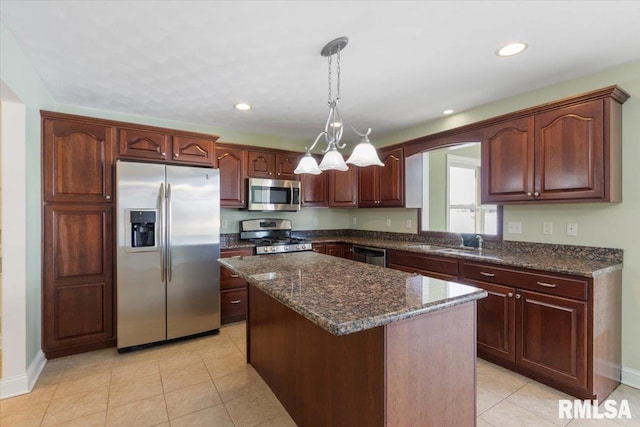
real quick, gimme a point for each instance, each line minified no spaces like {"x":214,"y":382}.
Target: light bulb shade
{"x":333,"y":160}
{"x":364,"y":155}
{"x":308,"y":164}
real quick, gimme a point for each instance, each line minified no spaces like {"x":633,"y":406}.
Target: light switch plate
{"x":572,"y":229}
{"x":388,"y":222}
{"x":547,"y":227}
{"x":315,"y":221}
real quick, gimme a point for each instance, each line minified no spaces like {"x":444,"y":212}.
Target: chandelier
{"x":364,"y":154}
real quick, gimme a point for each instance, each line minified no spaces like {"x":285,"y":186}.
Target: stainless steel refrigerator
{"x":168,"y":280}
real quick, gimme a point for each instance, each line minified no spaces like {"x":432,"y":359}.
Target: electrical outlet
{"x":388,"y":222}
{"x":408,"y":223}
{"x":315,"y":221}
{"x":225,"y":223}
{"x":514,"y":227}
{"x":547,"y":228}
{"x":355,"y":220}
{"x":572,"y":229}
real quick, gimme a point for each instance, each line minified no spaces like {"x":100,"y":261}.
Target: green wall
{"x":18,"y":74}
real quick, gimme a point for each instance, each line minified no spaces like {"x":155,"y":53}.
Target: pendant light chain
{"x":329,"y":99}
{"x":330,"y":61}
{"x":338,"y":74}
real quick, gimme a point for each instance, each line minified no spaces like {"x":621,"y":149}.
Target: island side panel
{"x":431,"y":369}
{"x":321,"y":379}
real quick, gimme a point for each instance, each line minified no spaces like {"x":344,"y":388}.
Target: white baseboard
{"x":23,"y":383}
{"x":631,"y":377}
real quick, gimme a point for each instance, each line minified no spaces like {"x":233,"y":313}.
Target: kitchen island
{"x":344,"y":343}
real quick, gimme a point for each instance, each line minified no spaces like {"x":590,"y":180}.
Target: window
{"x":464,"y":212}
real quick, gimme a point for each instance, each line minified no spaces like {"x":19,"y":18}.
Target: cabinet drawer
{"x":228,"y":253}
{"x":230,"y":280}
{"x":546,"y":283}
{"x":233,"y":305}
{"x":424,"y":263}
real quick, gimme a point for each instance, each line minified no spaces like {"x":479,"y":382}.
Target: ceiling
{"x":405,"y":63}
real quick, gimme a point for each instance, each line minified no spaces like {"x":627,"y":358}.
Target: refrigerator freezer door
{"x":193,"y":246}
{"x":141,"y":310}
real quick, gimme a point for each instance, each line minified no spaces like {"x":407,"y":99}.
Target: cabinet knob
{"x":108,"y":197}
{"x":529,"y":194}
{"x":536,"y":194}
{"x":177,"y":154}
{"x":270,"y":173}
{"x":163,"y":154}
{"x":510,"y":294}
{"x":518,"y":296}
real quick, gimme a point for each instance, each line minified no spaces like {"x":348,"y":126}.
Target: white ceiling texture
{"x":405,"y":63}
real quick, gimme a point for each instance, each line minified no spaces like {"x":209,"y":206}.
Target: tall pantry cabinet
{"x":78,"y":230}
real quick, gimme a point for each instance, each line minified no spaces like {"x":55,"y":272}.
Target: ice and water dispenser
{"x":143,"y":228}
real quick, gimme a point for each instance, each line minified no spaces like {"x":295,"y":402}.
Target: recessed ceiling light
{"x":512,"y":49}
{"x":242,"y":106}
{"x":447,"y":112}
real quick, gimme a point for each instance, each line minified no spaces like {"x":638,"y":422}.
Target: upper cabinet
{"x":232,"y":163}
{"x":566,"y":151}
{"x":262,"y":164}
{"x":286,"y":163}
{"x":79,"y":160}
{"x":383,"y":186}
{"x":193,"y":150}
{"x":314,"y":189}
{"x":142,"y":144}
{"x":343,"y":188}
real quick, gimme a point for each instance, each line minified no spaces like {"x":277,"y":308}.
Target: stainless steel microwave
{"x":273,"y":195}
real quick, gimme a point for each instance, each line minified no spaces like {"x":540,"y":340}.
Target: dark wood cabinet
{"x":143,"y":144}
{"x":383,"y":186}
{"x":567,"y":151}
{"x":232,"y":163}
{"x":233,"y":289}
{"x":343,"y":188}
{"x":429,"y":265}
{"x":561,"y":330}
{"x":262,"y":164}
{"x":320,"y":248}
{"x":334,"y":249}
{"x":193,"y":150}
{"x":78,"y":160}
{"x":347,"y":250}
{"x":314,"y":190}
{"x":286,"y":163}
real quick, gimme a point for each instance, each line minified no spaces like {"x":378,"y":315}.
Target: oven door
{"x":273,"y":195}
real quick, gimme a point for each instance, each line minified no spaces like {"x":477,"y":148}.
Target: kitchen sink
{"x":427,"y":247}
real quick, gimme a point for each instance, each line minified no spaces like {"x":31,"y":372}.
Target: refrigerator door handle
{"x":169,"y":263}
{"x":162,"y":213}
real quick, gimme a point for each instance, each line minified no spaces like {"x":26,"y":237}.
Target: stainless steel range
{"x":272,"y":236}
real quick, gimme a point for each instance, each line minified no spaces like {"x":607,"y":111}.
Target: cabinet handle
{"x":529,"y":194}
{"x":510,"y":294}
{"x":235,"y":301}
{"x":536,"y":194}
{"x":235,"y":276}
{"x":270,"y":174}
{"x":547,"y":285}
{"x":487,"y":274}
{"x":518,"y":296}
{"x":108,"y":197}
{"x":163,"y":154}
{"x":177,"y":154}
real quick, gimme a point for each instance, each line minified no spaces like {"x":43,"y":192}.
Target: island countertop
{"x":344,"y":296}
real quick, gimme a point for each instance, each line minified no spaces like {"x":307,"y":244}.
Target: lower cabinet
{"x":558,"y":329}
{"x":233,"y":289}
{"x":428,"y":265}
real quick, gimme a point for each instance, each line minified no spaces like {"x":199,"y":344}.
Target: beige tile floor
{"x":206,"y":382}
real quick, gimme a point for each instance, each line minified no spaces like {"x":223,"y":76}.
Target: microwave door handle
{"x":291,"y":198}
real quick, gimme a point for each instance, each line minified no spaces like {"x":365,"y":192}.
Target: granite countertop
{"x":574,"y":260}
{"x":344,"y":296}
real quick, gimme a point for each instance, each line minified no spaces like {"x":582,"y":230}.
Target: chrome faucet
{"x":480,"y":239}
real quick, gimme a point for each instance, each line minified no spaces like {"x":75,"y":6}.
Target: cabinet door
{"x":343,"y":188}
{"x":368,"y":186}
{"x":507,"y":162}
{"x":78,"y":161}
{"x":232,"y":163}
{"x":496,"y":321}
{"x":77,"y":279}
{"x":334,"y":249}
{"x":320,"y":248}
{"x":314,"y":190}
{"x":552,"y":337}
{"x":286,"y":163}
{"x":193,"y":150}
{"x":391,"y":178}
{"x":347,"y":250}
{"x":261,"y":164}
{"x":142,"y":144}
{"x":570,"y":152}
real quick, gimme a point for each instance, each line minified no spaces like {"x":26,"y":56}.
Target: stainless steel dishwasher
{"x":375,"y":256}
